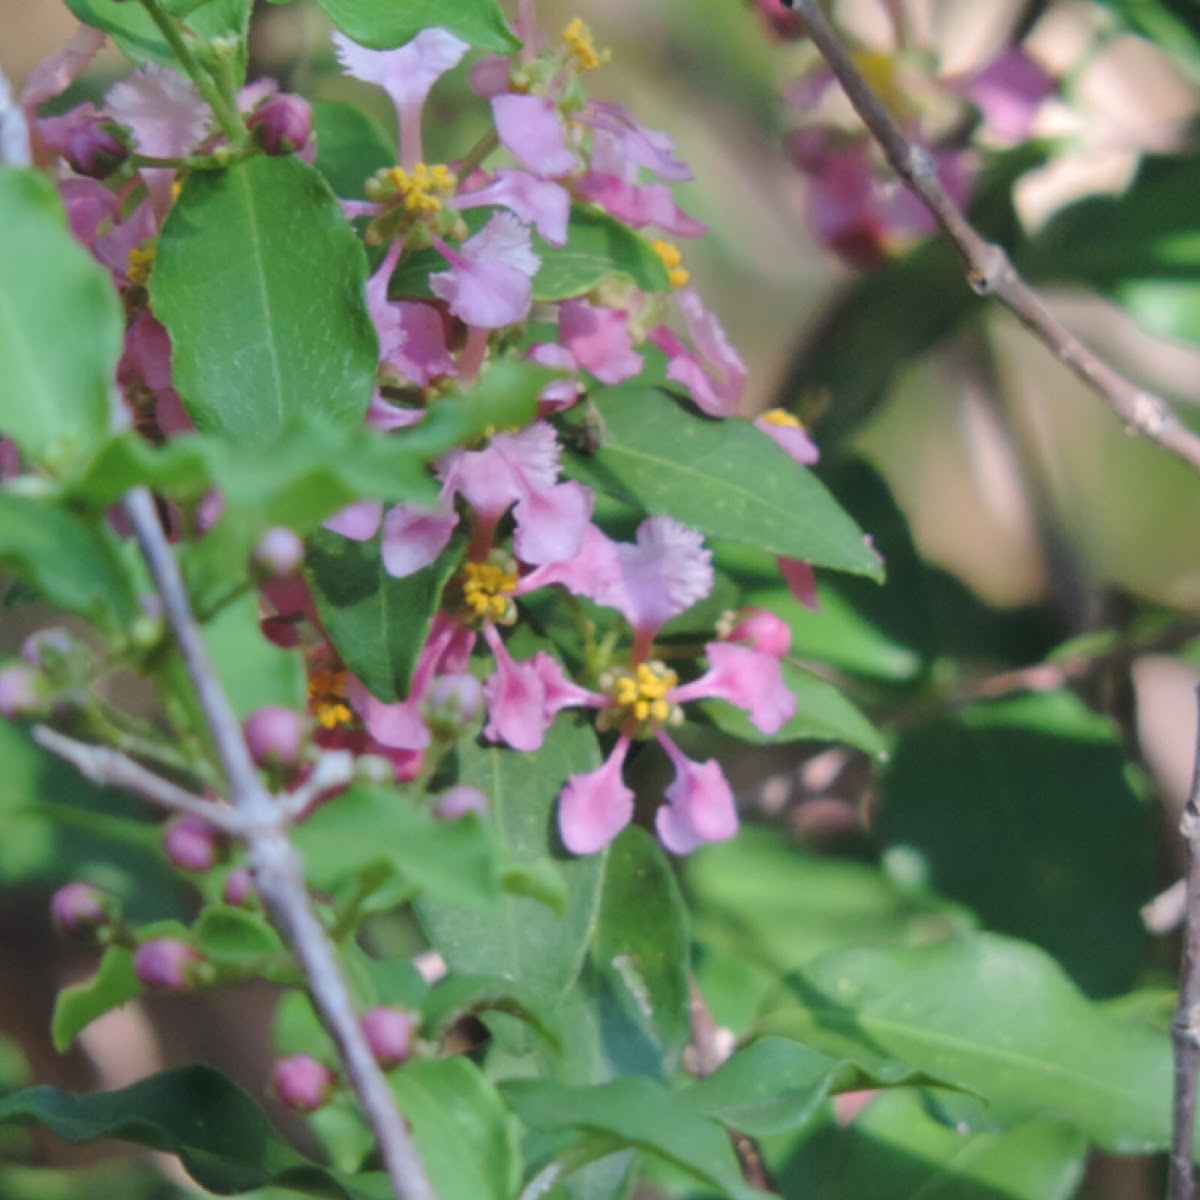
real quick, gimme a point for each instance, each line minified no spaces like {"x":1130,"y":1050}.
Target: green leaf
{"x":253,"y":671}
{"x":897,"y":1150}
{"x":219,"y":1134}
{"x":61,"y":329}
{"x":638,"y":1112}
{"x":379,"y":624}
{"x":72,"y":563}
{"x":725,"y":478}
{"x":823,"y":714}
{"x":467,"y":1138}
{"x":234,"y":938}
{"x":519,"y":938}
{"x":994,"y":1017}
{"x":459,"y":995}
{"x":134,"y":31}
{"x":1021,"y":809}
{"x":454,"y":860}
{"x":598,"y":247}
{"x":260,"y":279}
{"x":771,"y":1086}
{"x":639,"y":956}
{"x":384,"y":24}
{"x":351,"y":147}
{"x":77,"y":1006}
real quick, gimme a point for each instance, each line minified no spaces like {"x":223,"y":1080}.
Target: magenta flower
{"x":713,"y":372}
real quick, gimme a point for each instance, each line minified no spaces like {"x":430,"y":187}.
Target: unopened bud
{"x":47,"y":648}
{"x":276,"y":736}
{"x":168,"y":965}
{"x":451,"y":704}
{"x":279,"y":553}
{"x":282,"y":124}
{"x":95,"y":148}
{"x":456,"y":803}
{"x":763,"y":630}
{"x":22,"y":692}
{"x":389,"y":1033}
{"x":81,"y":908}
{"x":192,"y":844}
{"x":302,"y":1082}
{"x":239,"y":887}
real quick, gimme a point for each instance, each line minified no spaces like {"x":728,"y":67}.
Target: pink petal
{"x":699,"y":806}
{"x":794,"y":440}
{"x":53,"y":76}
{"x":413,"y":537}
{"x":801,"y":580}
{"x":516,"y":699}
{"x":599,"y":340}
{"x":640,"y":205}
{"x":398,"y":726}
{"x":358,"y":521}
{"x":531,"y":129}
{"x":490,"y":283}
{"x":748,"y":678}
{"x":551,"y":523}
{"x":595,"y":807}
{"x":539,"y":202}
{"x":634,"y":143}
{"x":595,"y":572}
{"x":1008,"y":92}
{"x":665,"y":572}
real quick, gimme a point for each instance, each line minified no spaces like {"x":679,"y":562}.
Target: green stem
{"x":226,"y":113}
{"x":477,"y":153}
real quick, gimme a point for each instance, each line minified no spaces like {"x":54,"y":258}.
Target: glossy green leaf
{"x":351,"y":147}
{"x":996,"y":1018}
{"x":378,"y":623}
{"x":78,"y":1005}
{"x":61,"y":329}
{"x":519,"y":938}
{"x":134,"y":31}
{"x":387,"y":23}
{"x":598,"y":247}
{"x":725,"y":478}
{"x":642,"y":1113}
{"x":253,"y":671}
{"x":465,"y":1135}
{"x":454,"y":860}
{"x":460,"y":995}
{"x":823,"y":714}
{"x":896,"y":1150}
{"x":639,"y":957}
{"x":234,"y":938}
{"x":70,"y":562}
{"x":259,"y":279}
{"x":1021,"y":809}
{"x":219,"y":1134}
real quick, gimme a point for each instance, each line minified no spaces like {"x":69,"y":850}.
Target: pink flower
{"x":699,"y":806}
{"x":412,"y":337}
{"x":748,"y":678}
{"x":713,"y":373}
{"x":407,"y":74}
{"x":596,"y":806}
{"x":531,"y":130}
{"x":598,"y":341}
{"x":490,"y":283}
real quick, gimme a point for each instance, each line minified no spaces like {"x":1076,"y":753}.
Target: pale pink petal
{"x":794,"y":440}
{"x":639,"y":205}
{"x":413,"y":537}
{"x":531,"y":130}
{"x":699,"y":806}
{"x":385,"y":417}
{"x":1009,"y":91}
{"x":539,"y":202}
{"x":516,"y":699}
{"x":762,"y":629}
{"x":745,"y":677}
{"x":490,"y":76}
{"x":53,"y":76}
{"x":595,"y":572}
{"x":551,"y":523}
{"x":358,"y":521}
{"x":636,"y":144}
{"x":489,"y":285}
{"x":399,"y":726}
{"x":599,"y":340}
{"x":595,"y":807}
{"x":665,"y":572}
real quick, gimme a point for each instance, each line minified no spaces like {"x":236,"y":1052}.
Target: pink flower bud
{"x":276,"y":736}
{"x":389,"y":1033}
{"x":452,"y":703}
{"x":279,"y":553}
{"x":458,"y":801}
{"x":167,"y":964}
{"x":763,"y":630}
{"x":239,"y":887}
{"x":95,"y":148}
{"x":282,"y":124}
{"x":302,"y":1082}
{"x":81,"y":908}
{"x":45,"y":648}
{"x":192,"y":844}
{"x":781,"y":21}
{"x":21,"y":689}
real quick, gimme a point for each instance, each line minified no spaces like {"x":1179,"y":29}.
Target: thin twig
{"x":110,"y":768}
{"x":989,"y":269}
{"x":334,"y":769}
{"x":1185,"y":1028}
{"x":278,"y":868}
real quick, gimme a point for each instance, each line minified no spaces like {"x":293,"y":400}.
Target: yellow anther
{"x":141,"y":263}
{"x":644,"y":694}
{"x":583,"y":48}
{"x":487,"y":590}
{"x":781,"y":416}
{"x":423,"y":189}
{"x":672,"y":258}
{"x":327,"y":697}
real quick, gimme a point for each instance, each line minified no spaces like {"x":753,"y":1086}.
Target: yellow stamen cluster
{"x":487,"y":590}
{"x":583,"y":49}
{"x":327,"y":697}
{"x":672,"y":259}
{"x":424,"y":188}
{"x":879,"y":69}
{"x":644,"y":693}
{"x":141,"y":263}
{"x":781,"y":416}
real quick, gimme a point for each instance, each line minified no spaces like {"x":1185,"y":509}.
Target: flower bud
{"x":302,"y":1082}
{"x":456,"y":803}
{"x":22,"y":692}
{"x":80,"y":908}
{"x":451,"y":704}
{"x":276,"y":736}
{"x":192,"y":844}
{"x":167,"y":964}
{"x":764,"y":631}
{"x":279,"y":553}
{"x":389,"y":1033}
{"x":282,"y":124}
{"x":46,"y":648}
{"x":239,"y":887}
{"x":95,"y":148}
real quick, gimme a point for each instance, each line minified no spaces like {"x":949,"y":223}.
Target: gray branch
{"x":988,"y":267}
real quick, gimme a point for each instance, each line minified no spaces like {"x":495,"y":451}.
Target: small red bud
{"x":95,"y":148}
{"x":765,"y":631}
{"x":456,"y":803}
{"x":167,"y":964}
{"x":302,"y":1082}
{"x":192,"y":844}
{"x":80,"y":908}
{"x":276,"y":736}
{"x":389,"y":1033}
{"x":282,"y":124}
{"x":239,"y":887}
